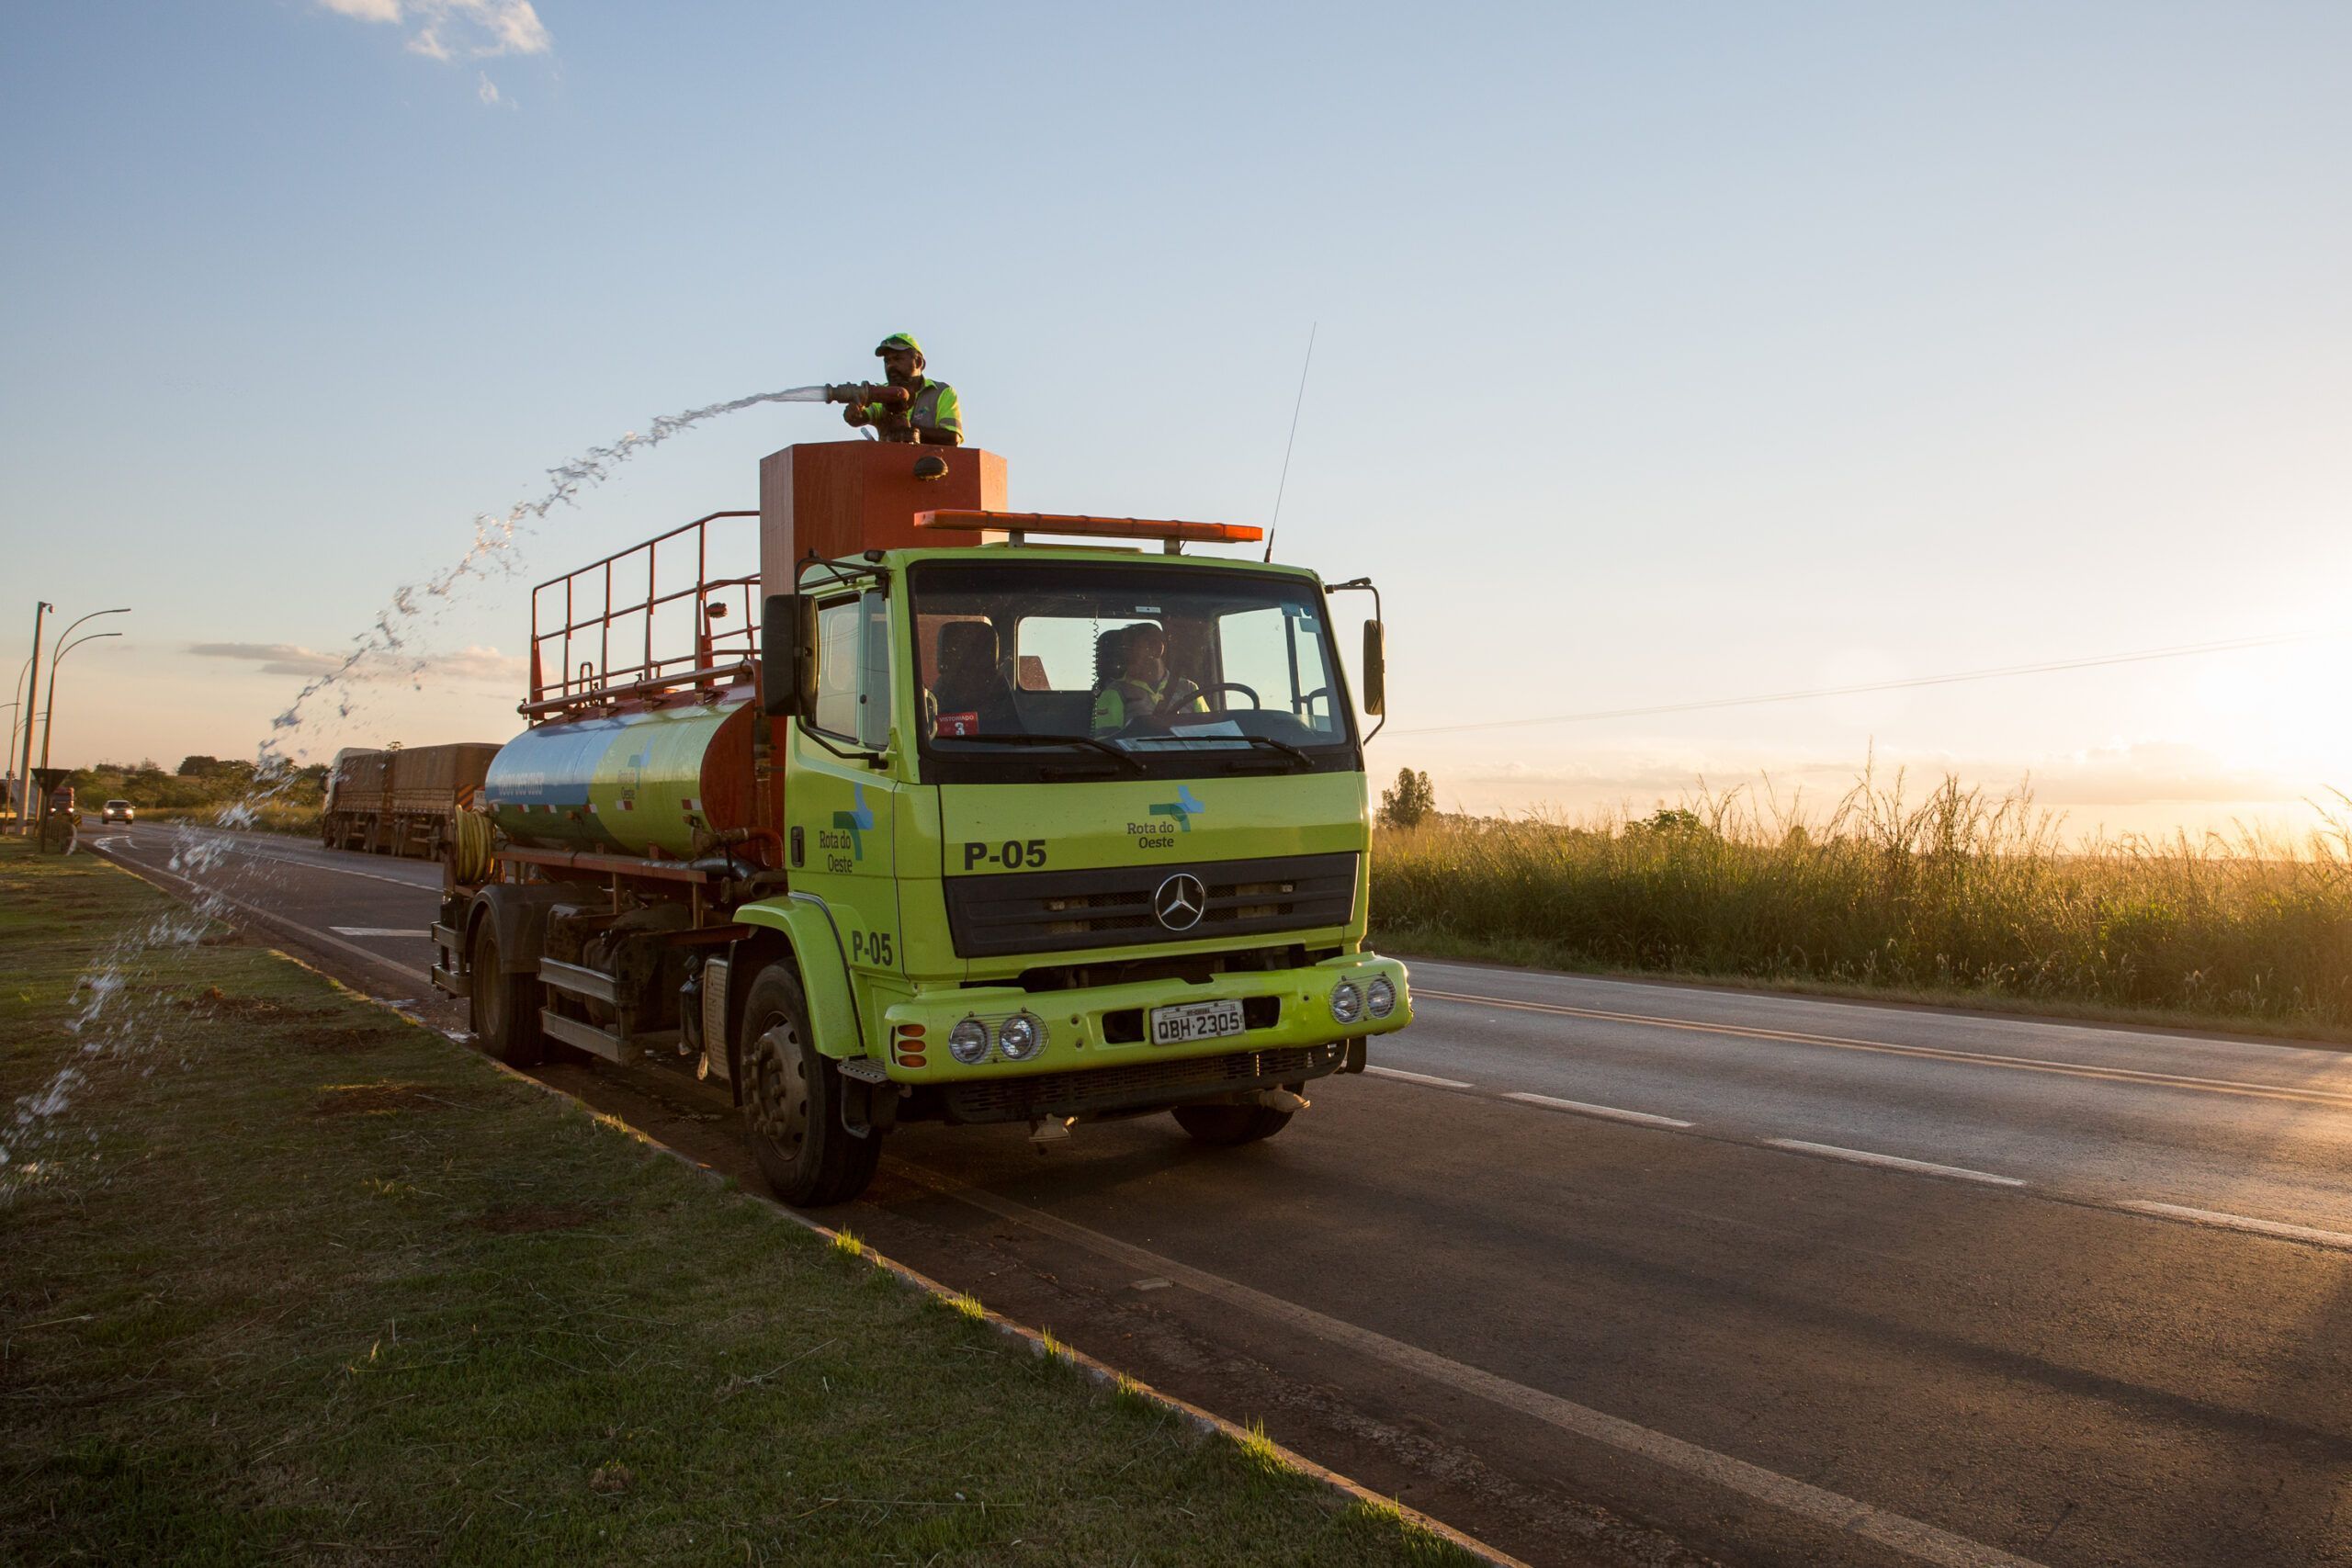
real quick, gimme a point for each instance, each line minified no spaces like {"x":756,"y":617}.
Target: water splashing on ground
{"x":119,"y":1022}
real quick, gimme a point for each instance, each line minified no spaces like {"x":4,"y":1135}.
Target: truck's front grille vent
{"x":1055,"y":912}
{"x":1141,"y":1084}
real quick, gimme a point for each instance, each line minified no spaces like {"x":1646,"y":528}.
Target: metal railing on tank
{"x":703,"y":632}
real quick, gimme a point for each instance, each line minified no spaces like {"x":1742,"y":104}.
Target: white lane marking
{"x":141,"y":869}
{"x":1896,"y":1162}
{"x":1402,"y":1076}
{"x":377,"y":930}
{"x":1933,"y":1053}
{"x":1607,"y":1113}
{"x":2278,"y":1228}
{"x":1915,"y":1539}
{"x":251,"y":853}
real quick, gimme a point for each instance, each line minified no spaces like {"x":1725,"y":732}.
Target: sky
{"x":1661,"y":354}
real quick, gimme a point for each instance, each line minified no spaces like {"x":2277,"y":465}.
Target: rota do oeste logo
{"x":848,"y":832}
{"x":1175,"y":814}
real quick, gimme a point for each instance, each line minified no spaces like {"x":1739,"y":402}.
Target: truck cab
{"x":1001,"y":817}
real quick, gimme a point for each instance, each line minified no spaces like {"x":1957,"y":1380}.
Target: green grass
{"x":293,"y":1279}
{"x":1963,"y":896}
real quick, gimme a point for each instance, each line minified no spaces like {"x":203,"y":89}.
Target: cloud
{"x":2155,"y":773}
{"x":2143,"y":775}
{"x":473,"y":663}
{"x":274,"y":658}
{"x":488,"y":91}
{"x":456,"y":29}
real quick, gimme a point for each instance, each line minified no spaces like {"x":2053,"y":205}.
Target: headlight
{"x":1021,"y":1036}
{"x":1380,"y":997}
{"x":1346,"y":1002}
{"x":969,"y":1040}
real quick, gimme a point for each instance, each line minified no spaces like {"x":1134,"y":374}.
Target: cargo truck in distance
{"x":401,"y":800}
{"x":902,"y":825}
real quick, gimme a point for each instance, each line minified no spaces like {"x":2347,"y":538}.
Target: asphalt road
{"x":1606,"y":1272}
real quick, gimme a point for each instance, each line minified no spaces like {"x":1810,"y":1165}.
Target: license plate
{"x":1196,"y":1020}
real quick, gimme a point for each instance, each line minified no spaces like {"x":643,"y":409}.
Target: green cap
{"x":899,"y":339}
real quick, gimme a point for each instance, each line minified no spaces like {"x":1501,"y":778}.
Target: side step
{"x":447,"y":955}
{"x":612,"y":1044}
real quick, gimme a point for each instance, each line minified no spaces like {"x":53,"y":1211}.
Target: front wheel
{"x":792,"y":1101}
{"x":1230,"y":1125}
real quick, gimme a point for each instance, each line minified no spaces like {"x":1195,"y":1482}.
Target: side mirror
{"x":783,"y":661}
{"x":1375,"y":667}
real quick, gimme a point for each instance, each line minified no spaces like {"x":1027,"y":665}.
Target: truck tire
{"x":1229,"y":1125}
{"x":792,"y":1101}
{"x":505,"y":1006}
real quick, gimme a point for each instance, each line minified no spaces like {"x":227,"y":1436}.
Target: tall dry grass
{"x":1962,"y":891}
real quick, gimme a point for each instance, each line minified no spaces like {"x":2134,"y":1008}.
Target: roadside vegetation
{"x":201,"y":788}
{"x":1962,"y":895}
{"x":289,"y":1277}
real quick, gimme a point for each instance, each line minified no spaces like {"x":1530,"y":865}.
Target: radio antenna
{"x":1284,"y":483}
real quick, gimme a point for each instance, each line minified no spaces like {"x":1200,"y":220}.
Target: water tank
{"x":636,"y":783}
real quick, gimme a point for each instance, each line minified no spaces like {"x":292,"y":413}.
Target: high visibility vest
{"x":1124,"y":698}
{"x":935,"y":407}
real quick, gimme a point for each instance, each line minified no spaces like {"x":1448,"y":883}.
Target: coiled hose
{"x":470,"y":847}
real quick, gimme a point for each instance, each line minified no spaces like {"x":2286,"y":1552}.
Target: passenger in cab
{"x":1140,"y":688}
{"x":971,"y":695}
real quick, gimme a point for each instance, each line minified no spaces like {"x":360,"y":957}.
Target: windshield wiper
{"x":1284,"y":746}
{"x":1024,"y":739}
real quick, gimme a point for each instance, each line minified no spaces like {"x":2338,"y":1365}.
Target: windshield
{"x":1125,"y":664}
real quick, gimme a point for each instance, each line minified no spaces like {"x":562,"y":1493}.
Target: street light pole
{"x":11,"y":753}
{"x":24,"y":773}
{"x":23,"y":710}
{"x":49,"y":709}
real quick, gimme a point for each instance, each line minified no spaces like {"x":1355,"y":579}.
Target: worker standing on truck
{"x":935,"y":419}
{"x":1142,"y":689}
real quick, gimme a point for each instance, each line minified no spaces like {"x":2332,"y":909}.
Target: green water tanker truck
{"x":931,"y":815}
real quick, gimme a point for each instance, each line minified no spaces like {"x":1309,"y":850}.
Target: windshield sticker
{"x":959,"y":723}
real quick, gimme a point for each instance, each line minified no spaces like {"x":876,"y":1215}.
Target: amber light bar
{"x":1099,"y":528}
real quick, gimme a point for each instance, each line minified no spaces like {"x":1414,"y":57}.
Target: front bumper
{"x":1107,"y":1027}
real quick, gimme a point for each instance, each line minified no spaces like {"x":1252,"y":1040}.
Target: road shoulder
{"x":304,"y":1277}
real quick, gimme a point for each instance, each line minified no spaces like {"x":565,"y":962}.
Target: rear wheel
{"x":1230,"y":1125}
{"x":505,"y":1006}
{"x":792,"y":1101}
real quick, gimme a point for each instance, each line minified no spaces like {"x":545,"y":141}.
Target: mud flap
{"x":1358,"y":1049}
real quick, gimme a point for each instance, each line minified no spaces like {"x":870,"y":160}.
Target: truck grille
{"x":1142,"y":1084}
{"x":1054,"y":911}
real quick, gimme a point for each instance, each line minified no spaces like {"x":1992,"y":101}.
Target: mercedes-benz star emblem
{"x":1181,"y":901}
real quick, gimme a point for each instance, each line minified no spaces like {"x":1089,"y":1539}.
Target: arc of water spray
{"x":36,"y":1115}
{"x":494,"y":536}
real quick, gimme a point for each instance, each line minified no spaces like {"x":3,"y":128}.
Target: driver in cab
{"x":1142,"y":692}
